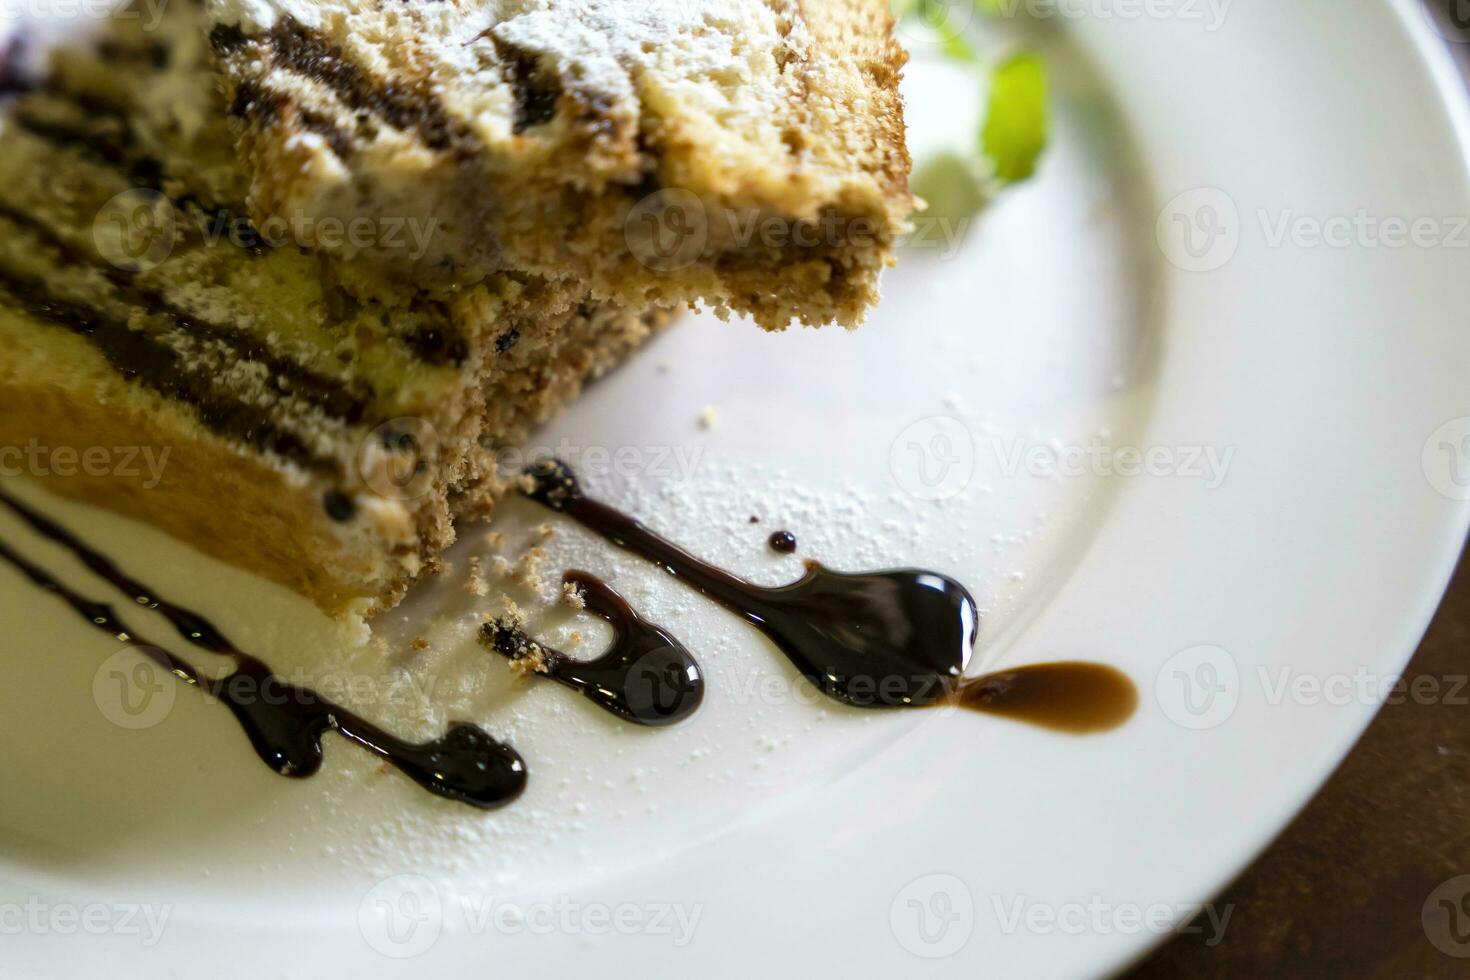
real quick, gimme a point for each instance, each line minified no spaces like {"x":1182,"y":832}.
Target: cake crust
{"x":745,"y":153}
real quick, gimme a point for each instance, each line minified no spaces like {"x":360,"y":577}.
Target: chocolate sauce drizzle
{"x":897,"y":638}
{"x":284,"y":723}
{"x":646,"y":676}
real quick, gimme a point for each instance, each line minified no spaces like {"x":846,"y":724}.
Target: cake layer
{"x":62,"y":401}
{"x":746,"y":153}
{"x":320,"y":439}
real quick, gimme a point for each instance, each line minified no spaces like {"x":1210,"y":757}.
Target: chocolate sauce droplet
{"x":782,"y":542}
{"x":283,"y":722}
{"x":896,"y":638}
{"x":646,"y":676}
{"x":339,"y":506}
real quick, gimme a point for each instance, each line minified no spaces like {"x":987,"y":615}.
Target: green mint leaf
{"x":1015,"y":127}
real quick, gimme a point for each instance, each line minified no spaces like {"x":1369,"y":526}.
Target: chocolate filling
{"x":287,"y":377}
{"x":265,"y":108}
{"x":536,"y":93}
{"x":227,"y":38}
{"x":107,"y":139}
{"x":145,"y":359}
{"x":307,"y":53}
{"x":339,"y":507}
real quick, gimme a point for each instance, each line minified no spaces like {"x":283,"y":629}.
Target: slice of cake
{"x":320,"y":439}
{"x":746,"y":153}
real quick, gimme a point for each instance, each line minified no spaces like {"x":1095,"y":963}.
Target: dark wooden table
{"x":1340,"y":893}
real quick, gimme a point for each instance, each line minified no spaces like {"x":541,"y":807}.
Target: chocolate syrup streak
{"x":284,"y":723}
{"x":646,"y":676}
{"x":897,"y":638}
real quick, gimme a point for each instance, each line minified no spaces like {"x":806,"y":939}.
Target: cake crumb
{"x":475,"y":583}
{"x":512,"y":616}
{"x":532,"y":662}
{"x":575,"y":638}
{"x":571,"y":595}
{"x":419,"y":643}
{"x":546,"y":531}
{"x":524,"y":655}
{"x":495,"y":540}
{"x":708,"y":417}
{"x":528,"y":569}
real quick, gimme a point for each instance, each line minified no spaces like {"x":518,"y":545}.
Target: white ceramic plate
{"x":1300,"y":409}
